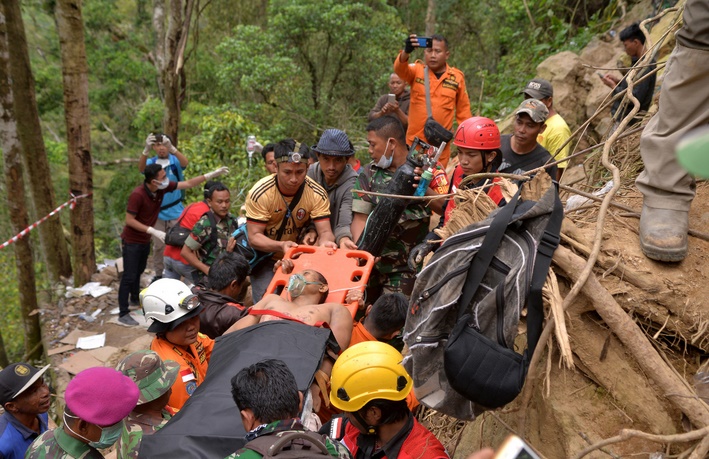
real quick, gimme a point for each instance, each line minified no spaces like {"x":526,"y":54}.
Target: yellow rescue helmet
{"x":368,"y":371}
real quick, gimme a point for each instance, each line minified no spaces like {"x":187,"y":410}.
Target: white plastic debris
{"x":95,"y":289}
{"x":577,"y":201}
{"x":91,"y":342}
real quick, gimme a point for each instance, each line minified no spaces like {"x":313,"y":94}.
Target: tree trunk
{"x":170,"y":58}
{"x":4,"y":361}
{"x":431,"y":18}
{"x":17,"y":207}
{"x":54,"y":247}
{"x":70,"y":29}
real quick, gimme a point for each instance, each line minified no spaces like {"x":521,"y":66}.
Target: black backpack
{"x":466,"y":304}
{"x":293,"y":444}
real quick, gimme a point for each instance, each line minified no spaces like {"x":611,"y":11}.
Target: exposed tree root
{"x":627,"y":434}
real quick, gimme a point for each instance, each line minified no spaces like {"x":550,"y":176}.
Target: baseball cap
{"x":17,"y":378}
{"x":101,"y":396}
{"x":334,"y":142}
{"x":153,"y":376}
{"x":539,"y":88}
{"x":535,"y":109}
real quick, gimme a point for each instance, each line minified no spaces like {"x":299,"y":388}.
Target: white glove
{"x":156,"y":233}
{"x":216,"y":173}
{"x":170,"y":147}
{"x":149,"y":142}
{"x":258,"y":148}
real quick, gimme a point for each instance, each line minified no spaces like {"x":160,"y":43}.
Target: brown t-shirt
{"x":145,"y":205}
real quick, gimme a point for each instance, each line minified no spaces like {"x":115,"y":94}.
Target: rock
{"x":565,"y":72}
{"x":145,"y":279}
{"x":598,"y":52}
{"x":563,"y":66}
{"x":103,"y":279}
{"x":109,"y":271}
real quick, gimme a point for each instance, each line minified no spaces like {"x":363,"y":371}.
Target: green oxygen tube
{"x":428,"y":173}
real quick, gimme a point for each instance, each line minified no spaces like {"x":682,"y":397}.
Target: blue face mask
{"x":297,"y":283}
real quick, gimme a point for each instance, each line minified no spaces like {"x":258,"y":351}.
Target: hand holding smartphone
{"x":425,"y":42}
{"x":515,"y":448}
{"x":391,"y":98}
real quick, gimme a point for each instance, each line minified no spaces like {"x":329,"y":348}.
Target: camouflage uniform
{"x":200,"y":240}
{"x":57,"y":444}
{"x":137,"y":425}
{"x":392,"y":273}
{"x":154,"y":377}
{"x":335,"y":448}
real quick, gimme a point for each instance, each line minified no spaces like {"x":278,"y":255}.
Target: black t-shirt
{"x":512,"y":163}
{"x":643,"y":91}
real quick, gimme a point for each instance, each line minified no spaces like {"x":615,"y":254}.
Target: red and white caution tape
{"x":71,"y":203}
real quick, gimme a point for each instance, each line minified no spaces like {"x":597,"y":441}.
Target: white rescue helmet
{"x":168,"y":302}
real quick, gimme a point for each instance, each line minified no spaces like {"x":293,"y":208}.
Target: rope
{"x":71,"y":203}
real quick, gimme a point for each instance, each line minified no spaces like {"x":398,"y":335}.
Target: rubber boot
{"x":663,"y":233}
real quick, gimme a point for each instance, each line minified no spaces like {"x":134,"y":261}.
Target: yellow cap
{"x":368,"y":371}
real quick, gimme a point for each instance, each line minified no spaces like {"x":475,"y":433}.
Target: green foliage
{"x":10,"y":318}
{"x":221,"y":141}
{"x":110,"y":203}
{"x":56,"y":151}
{"x":274,"y":69}
{"x":497,"y":42}
{"x":314,"y":65}
{"x":147,"y":118}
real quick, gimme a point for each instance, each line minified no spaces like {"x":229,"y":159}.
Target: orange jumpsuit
{"x":193,"y":362}
{"x":449,"y":99}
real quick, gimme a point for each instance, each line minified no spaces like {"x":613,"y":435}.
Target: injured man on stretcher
{"x":307,"y":290}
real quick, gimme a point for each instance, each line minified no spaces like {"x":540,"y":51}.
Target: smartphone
{"x":600,"y":75}
{"x":425,"y":42}
{"x":391,"y":98}
{"x":515,"y":448}
{"x":158,"y":138}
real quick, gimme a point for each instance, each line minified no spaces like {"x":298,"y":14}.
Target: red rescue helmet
{"x":478,"y":133}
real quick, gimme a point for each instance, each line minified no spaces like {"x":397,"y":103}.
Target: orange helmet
{"x":478,"y":133}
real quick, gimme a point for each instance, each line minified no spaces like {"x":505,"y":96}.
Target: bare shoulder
{"x":271,"y":301}
{"x":335,"y":309}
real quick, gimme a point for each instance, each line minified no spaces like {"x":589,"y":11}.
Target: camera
{"x":425,"y":42}
{"x":158,"y":138}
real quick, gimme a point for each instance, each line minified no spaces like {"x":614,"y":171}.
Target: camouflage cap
{"x":535,"y":109}
{"x":151,"y":374}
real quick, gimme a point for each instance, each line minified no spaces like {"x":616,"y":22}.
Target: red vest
{"x":494,"y":192}
{"x":419,"y":443}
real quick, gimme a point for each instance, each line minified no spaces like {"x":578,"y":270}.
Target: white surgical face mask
{"x":162,"y":185}
{"x":384,"y":162}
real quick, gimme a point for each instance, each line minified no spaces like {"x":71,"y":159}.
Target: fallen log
{"x":572,"y":235}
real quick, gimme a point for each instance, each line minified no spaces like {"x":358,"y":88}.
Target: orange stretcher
{"x":343,"y":269}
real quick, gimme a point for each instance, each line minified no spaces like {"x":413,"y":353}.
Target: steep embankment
{"x":621,"y":377}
